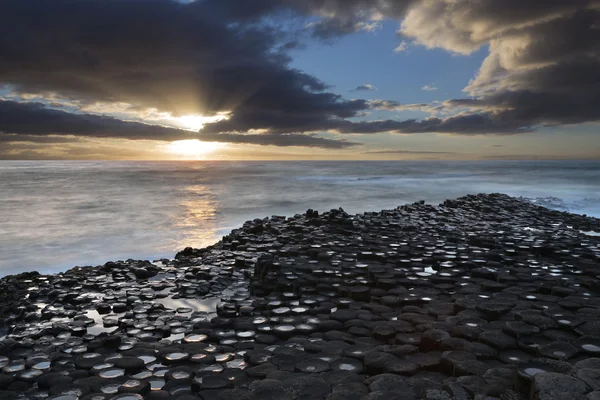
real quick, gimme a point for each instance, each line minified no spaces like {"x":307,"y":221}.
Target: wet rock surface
{"x":484,"y":296}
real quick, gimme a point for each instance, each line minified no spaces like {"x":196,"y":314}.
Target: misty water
{"x":58,"y":214}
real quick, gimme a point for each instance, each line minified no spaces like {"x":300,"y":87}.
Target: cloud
{"x":403,"y":46}
{"x":460,"y":124}
{"x":463,"y":26}
{"x":241,"y":10}
{"x":15,"y":138}
{"x":75,"y":151}
{"x":365,"y":87}
{"x":329,"y":29}
{"x":390,"y":105}
{"x":542,"y":69}
{"x":35,"y":119}
{"x":33,"y":122}
{"x":213,"y":56}
{"x":173,"y":57}
{"x":283,"y":140}
{"x":429,"y":88}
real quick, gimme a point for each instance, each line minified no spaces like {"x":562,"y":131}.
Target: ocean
{"x":58,"y":214}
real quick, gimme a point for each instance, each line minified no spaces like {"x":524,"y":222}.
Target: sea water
{"x":58,"y":214}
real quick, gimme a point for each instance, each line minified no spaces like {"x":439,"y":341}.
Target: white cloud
{"x":403,"y":46}
{"x":429,"y":88}
{"x":364,"y":87}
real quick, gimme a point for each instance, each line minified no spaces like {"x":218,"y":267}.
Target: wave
{"x":588,"y":205}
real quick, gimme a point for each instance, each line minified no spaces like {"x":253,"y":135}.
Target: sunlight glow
{"x":196,"y":122}
{"x":193,"y":149}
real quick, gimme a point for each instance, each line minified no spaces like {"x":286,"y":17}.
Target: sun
{"x":195,"y":122}
{"x":193,"y":149}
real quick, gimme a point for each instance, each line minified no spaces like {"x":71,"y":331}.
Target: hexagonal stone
{"x":347,"y":364}
{"x":260,"y":371}
{"x":307,"y":387}
{"x":470,"y":367}
{"x":512,"y":395}
{"x":313,"y":365}
{"x":401,"y":367}
{"x":558,"y":350}
{"x":354,"y":387}
{"x":388,"y":395}
{"x":518,"y":328}
{"x":214,"y":381}
{"x":592,"y":363}
{"x":589,"y":376}
{"x":383,"y":331}
{"x":375,"y":361}
{"x":428,"y":361}
{"x":514,"y":356}
{"x":408,"y":338}
{"x":344,"y":315}
{"x":481,"y":350}
{"x":432,"y":339}
{"x":589,"y":328}
{"x":595,"y":395}
{"x":550,"y":385}
{"x":388,"y":382}
{"x":475,"y":385}
{"x":493,"y":309}
{"x":129,"y":364}
{"x":268,"y":389}
{"x":450,"y":358}
{"x":538,"y":320}
{"x":498,"y":339}
{"x":588,"y":344}
{"x":436,"y":394}
{"x":500,"y":378}
{"x":457,"y":391}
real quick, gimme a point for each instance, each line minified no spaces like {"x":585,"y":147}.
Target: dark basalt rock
{"x":131,"y":365}
{"x":454,"y":301}
{"x":549,"y":385}
{"x":389,"y":382}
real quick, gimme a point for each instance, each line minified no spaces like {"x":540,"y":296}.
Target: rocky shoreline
{"x":481,"y":297}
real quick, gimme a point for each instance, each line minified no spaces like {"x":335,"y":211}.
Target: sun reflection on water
{"x":198,"y":219}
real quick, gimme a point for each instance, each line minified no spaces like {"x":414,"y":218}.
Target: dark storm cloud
{"x":243,"y":10}
{"x":165,"y":55}
{"x":230,"y":55}
{"x":33,"y":122}
{"x":465,"y":124}
{"x":29,"y":120}
{"x":543,"y":68}
{"x":151,"y":53}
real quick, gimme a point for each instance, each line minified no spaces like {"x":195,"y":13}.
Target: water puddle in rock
{"x":590,"y":233}
{"x":98,"y":327}
{"x":208,"y":305}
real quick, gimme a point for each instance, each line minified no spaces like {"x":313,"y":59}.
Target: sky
{"x":299,"y":79}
